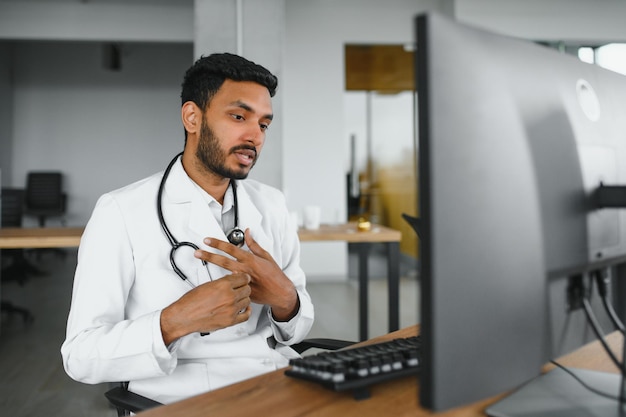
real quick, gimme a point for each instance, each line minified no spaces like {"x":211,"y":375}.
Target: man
{"x":161,"y":297}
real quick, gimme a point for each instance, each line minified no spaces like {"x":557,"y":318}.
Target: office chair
{"x":127,"y":402}
{"x":44,"y":196}
{"x":18,"y":268}
{"x":12,"y":200}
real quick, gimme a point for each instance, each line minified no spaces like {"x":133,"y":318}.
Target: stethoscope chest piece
{"x":236,"y":237}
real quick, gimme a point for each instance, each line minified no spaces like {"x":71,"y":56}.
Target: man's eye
{"x":237,"y":116}
{"x":264,"y":127}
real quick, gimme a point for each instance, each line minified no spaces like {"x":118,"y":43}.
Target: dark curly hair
{"x":205,"y":77}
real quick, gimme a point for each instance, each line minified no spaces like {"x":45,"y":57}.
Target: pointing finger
{"x":254,"y":246}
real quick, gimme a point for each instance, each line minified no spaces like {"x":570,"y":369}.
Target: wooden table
{"x":277,"y":395}
{"x":363,"y":241}
{"x":40,"y":237}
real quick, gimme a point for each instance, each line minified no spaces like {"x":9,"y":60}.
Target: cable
{"x":603,"y":281}
{"x":591,"y":318}
{"x":584,"y":384}
{"x":608,"y":306}
{"x":603,"y":290}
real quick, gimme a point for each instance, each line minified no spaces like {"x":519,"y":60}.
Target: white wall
{"x":255,"y":30}
{"x":67,"y":112}
{"x":566,"y":20}
{"x":130,"y":20}
{"x":102,"y":129}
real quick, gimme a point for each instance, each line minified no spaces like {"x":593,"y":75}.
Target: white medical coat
{"x":124,"y":279}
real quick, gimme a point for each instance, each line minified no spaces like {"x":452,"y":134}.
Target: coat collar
{"x":182,"y":198}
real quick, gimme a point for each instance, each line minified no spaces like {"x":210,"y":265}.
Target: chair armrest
{"x":321,"y":343}
{"x":121,"y":398}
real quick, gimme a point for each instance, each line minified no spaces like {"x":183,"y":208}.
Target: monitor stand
{"x":558,"y":394}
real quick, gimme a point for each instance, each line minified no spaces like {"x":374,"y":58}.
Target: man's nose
{"x":254,"y":135}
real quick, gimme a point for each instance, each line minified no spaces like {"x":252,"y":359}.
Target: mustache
{"x":244,"y":148}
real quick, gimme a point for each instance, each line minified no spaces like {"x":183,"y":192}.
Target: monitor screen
{"x":515,"y":142}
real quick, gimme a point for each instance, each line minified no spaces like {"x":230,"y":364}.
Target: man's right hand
{"x":211,"y":306}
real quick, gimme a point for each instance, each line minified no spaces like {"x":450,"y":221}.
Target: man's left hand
{"x":269,"y":283}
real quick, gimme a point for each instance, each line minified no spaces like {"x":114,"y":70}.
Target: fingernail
{"x":207,"y":241}
{"x":197,"y":254}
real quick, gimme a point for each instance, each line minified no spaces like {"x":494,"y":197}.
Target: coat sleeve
{"x":102,"y":344}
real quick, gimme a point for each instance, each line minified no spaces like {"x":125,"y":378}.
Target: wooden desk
{"x":363,"y":241}
{"x":277,"y":395}
{"x":40,"y":237}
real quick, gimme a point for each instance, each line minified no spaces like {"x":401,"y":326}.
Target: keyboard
{"x":357,"y":368}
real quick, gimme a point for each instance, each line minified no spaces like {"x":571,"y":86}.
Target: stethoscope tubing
{"x":170,"y":237}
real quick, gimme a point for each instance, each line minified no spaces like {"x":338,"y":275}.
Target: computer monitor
{"x":515,"y":142}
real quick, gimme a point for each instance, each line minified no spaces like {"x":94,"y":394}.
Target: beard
{"x":213,"y":158}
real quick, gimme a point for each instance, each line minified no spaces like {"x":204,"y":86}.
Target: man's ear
{"x":191,"y":116}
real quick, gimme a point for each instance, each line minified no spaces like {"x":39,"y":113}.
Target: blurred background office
{"x":91,"y":88}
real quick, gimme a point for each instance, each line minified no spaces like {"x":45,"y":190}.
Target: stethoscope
{"x":234,"y":236}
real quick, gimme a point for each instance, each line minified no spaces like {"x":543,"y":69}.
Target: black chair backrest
{"x":12,"y":200}
{"x":44,"y":190}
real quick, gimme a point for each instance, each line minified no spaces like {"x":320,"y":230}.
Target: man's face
{"x":213,"y":157}
{"x":233,"y":128}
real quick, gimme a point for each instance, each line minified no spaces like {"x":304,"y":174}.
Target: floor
{"x":33,"y":381}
